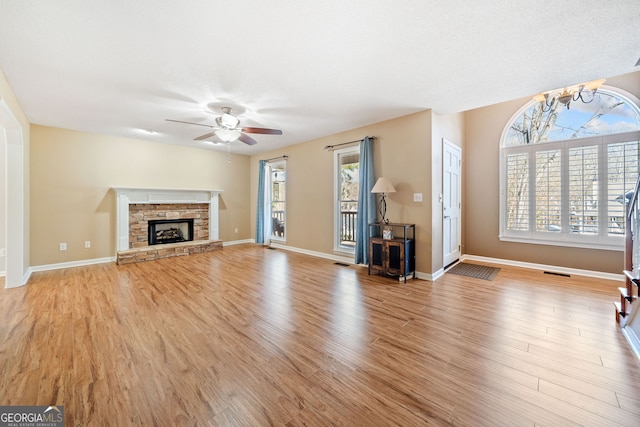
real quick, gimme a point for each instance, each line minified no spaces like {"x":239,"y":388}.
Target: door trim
{"x":449,"y":146}
{"x":12,"y":141}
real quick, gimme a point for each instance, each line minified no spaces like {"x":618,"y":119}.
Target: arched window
{"x":566,"y":172}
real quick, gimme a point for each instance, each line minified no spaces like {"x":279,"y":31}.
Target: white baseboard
{"x":338,"y":258}
{"x":543,"y":267}
{"x":436,"y":275}
{"x":47,"y":267}
{"x":26,"y":276}
{"x":237,"y":242}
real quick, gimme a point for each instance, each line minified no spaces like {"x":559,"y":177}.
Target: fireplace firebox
{"x":170,"y":231}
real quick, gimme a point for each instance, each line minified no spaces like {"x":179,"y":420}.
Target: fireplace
{"x":170,"y":231}
{"x":131,"y":218}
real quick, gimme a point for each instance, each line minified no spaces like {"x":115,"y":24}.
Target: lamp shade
{"x":383,"y":186}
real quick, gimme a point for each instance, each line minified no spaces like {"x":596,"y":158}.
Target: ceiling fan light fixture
{"x":228,"y":135}
{"x":229,"y":121}
{"x":227,"y":128}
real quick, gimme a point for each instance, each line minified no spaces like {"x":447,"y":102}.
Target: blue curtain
{"x":260,"y":208}
{"x":366,"y":201}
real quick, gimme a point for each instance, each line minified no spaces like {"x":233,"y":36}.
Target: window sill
{"x":611,"y":246}
{"x":344,"y":251}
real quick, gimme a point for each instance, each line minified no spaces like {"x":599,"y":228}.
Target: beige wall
{"x":483,"y":130}
{"x":402,"y":154}
{"x":72,"y":173}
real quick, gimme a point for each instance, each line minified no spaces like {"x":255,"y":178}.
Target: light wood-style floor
{"x":248,"y":336}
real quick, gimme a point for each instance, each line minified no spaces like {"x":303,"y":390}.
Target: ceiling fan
{"x":227,"y":130}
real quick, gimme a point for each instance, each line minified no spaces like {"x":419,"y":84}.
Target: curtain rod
{"x":331,"y":147}
{"x":277,"y":158}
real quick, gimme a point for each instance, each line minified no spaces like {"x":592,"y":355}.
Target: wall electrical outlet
{"x":87,"y":243}
{"x":63,"y":246}
{"x":3,"y":251}
{"x":236,"y":230}
{"x":417,"y":197}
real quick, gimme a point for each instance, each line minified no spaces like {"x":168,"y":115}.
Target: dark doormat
{"x":473,"y":270}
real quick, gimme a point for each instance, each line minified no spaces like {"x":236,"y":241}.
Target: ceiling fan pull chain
{"x":228,"y":152}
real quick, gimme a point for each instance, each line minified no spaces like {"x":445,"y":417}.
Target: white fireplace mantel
{"x":130,"y":195}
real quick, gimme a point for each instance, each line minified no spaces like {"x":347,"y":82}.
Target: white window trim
{"x":271,"y":165}
{"x":336,"y":200}
{"x":602,"y":241}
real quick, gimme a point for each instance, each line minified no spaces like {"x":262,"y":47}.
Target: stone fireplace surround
{"x":140,"y":215}
{"x":134,"y":206}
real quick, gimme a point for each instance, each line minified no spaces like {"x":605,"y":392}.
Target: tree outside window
{"x":566,"y":171}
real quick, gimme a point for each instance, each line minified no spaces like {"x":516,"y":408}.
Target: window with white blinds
{"x":583,"y":190}
{"x":570,"y":192}
{"x":566,"y":174}
{"x":518,"y":191}
{"x":622,"y":172}
{"x":548,"y":195}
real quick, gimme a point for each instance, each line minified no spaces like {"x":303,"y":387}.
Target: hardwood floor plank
{"x":251,"y":336}
{"x":629,"y":403}
{"x":559,"y":366}
{"x":610,"y":411}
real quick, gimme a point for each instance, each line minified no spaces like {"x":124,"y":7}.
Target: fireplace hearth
{"x":170,"y":231}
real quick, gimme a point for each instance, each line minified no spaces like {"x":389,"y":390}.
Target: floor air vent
{"x":557,"y":274}
{"x":341,"y":264}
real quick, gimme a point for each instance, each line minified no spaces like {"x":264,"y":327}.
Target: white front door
{"x":452,"y":188}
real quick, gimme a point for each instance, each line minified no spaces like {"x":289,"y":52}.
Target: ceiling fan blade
{"x":263,"y":131}
{"x":189,"y":123}
{"x":247,"y":139}
{"x":205,"y":136}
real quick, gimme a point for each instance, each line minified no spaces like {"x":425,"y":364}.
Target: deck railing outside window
{"x":348,"y":219}
{"x":278,"y":218}
{"x":279,"y":215}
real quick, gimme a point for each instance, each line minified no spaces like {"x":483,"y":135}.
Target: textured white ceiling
{"x":309,"y":68}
